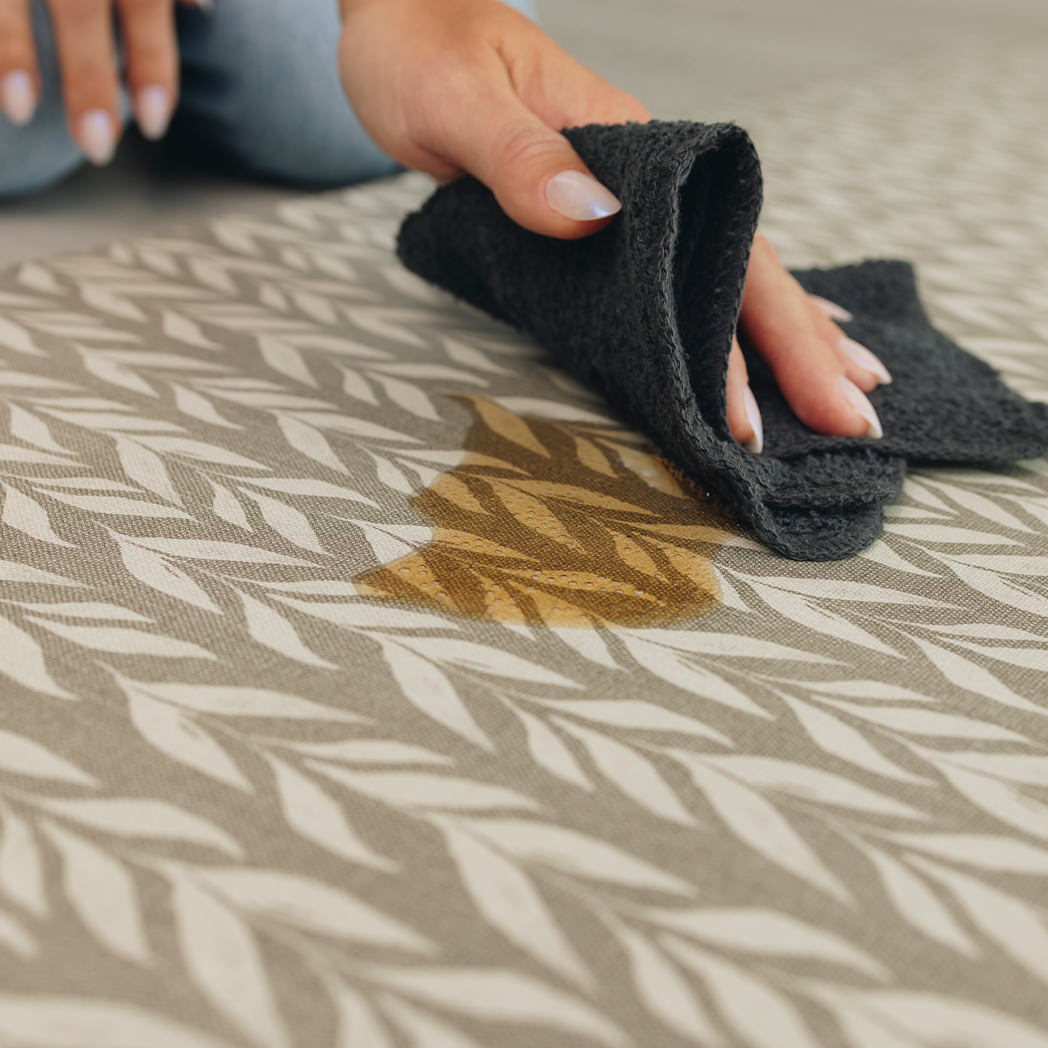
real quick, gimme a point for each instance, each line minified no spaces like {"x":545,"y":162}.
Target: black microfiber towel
{"x":644,"y":312}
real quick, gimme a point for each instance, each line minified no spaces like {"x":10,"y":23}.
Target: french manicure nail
{"x":152,"y":111}
{"x":574,"y":194}
{"x":756,"y":442}
{"x":865,"y":359}
{"x":831,"y":309}
{"x":18,"y":97}
{"x":859,"y":401}
{"x":96,"y":136}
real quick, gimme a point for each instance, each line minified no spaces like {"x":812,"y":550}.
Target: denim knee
{"x":35,"y":157}
{"x":41,"y":153}
{"x":261,"y":86}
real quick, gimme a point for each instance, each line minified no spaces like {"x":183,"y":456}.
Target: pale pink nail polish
{"x":831,"y":309}
{"x":574,"y":194}
{"x":753,"y":413}
{"x":865,"y":359}
{"x":97,"y":136}
{"x":18,"y":97}
{"x":153,"y":111}
{"x":862,"y":405}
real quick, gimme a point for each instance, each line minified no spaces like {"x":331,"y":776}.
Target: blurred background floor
{"x":700,"y":59}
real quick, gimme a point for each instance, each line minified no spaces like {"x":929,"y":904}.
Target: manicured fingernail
{"x":859,"y":401}
{"x":152,"y":111}
{"x":574,"y":194}
{"x":753,"y":413}
{"x":865,"y":359}
{"x":831,"y":309}
{"x":97,"y":136}
{"x":18,"y":97}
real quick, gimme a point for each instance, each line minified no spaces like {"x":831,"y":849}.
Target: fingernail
{"x":152,"y":111}
{"x":831,"y":309}
{"x":574,"y":194}
{"x":753,"y":413}
{"x":96,"y":136}
{"x":858,"y":400}
{"x":18,"y":97}
{"x":865,"y":359}
{"x":205,"y":5}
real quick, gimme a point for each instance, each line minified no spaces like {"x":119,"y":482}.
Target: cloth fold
{"x":644,"y":312}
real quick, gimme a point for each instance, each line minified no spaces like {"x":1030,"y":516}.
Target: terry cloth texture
{"x":645,"y":310}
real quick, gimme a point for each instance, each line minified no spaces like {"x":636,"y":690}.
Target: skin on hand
{"x":452,"y":87}
{"x":83,"y":32}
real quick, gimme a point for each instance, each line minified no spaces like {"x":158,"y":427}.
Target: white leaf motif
{"x":503,"y":996}
{"x":635,"y":713}
{"x":665,"y":993}
{"x":159,"y":574}
{"x":508,"y":899}
{"x":759,"y":825}
{"x":175,"y":735}
{"x":429,"y":691}
{"x":148,"y":819}
{"x":121,"y":640}
{"x":766,"y":932}
{"x":21,"y":865}
{"x":312,"y":905}
{"x":270,"y":628}
{"x":427,"y":791}
{"x":631,"y":773}
{"x":231,"y":701}
{"x":762,"y":1017}
{"x":47,"y":1021}
{"x":27,"y":757}
{"x":103,"y":894}
{"x":318,"y":818}
{"x":23,"y":661}
{"x":575,"y":853}
{"x":919,"y":905}
{"x":551,"y":753}
{"x":810,"y":783}
{"x":223,"y":960}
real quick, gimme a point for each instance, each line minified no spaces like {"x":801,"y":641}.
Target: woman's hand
{"x":83,"y":31}
{"x":471,"y":86}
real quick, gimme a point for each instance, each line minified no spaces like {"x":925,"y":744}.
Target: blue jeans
{"x":260,"y":90}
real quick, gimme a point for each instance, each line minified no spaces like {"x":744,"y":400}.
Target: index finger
{"x":87,"y":57}
{"x":19,"y":75}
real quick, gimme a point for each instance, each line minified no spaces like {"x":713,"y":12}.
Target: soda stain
{"x":568,"y":524}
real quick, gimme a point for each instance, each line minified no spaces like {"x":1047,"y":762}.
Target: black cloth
{"x":644,"y":312}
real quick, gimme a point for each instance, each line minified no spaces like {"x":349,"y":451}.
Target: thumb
{"x":537,"y":178}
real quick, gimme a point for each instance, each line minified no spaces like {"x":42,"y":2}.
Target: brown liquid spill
{"x":558,"y":523}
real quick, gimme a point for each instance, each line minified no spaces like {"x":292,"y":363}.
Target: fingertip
{"x":153,"y":111}
{"x":96,"y":135}
{"x":18,"y":97}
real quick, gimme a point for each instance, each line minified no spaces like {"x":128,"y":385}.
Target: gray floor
{"x":702,"y":59}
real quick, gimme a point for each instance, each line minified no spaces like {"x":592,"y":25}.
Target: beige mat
{"x":365,"y":685}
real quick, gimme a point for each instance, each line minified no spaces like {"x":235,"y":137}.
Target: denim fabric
{"x":260,"y":91}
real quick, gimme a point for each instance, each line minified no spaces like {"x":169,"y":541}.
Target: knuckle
{"x":521,"y":147}
{"x":137,"y":8}
{"x":76,"y":11}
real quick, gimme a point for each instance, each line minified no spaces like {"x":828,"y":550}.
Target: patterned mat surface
{"x":364,"y":684}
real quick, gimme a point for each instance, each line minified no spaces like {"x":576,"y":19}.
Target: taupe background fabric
{"x":253,"y":791}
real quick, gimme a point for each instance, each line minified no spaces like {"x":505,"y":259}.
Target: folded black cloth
{"x":644,"y":311}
